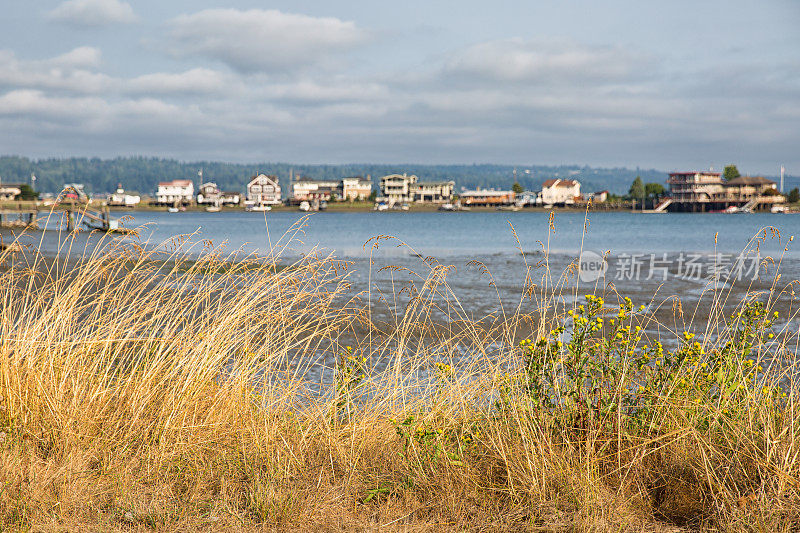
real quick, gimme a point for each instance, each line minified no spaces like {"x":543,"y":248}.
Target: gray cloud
{"x":93,"y":13}
{"x":197,"y":81}
{"x":81,"y":57}
{"x":262,"y":40}
{"x":538,"y":109}
{"x":74,"y":71}
{"x":543,"y":61}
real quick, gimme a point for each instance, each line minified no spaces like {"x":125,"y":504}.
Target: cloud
{"x":543,"y":61}
{"x":197,"y":80}
{"x":81,"y":57}
{"x":93,"y":13}
{"x":74,"y":71}
{"x":32,"y":103}
{"x":262,"y":40}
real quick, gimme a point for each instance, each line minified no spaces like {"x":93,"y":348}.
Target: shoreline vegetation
{"x":146,"y":389}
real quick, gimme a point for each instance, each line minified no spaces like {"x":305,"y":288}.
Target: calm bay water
{"x":674,"y":254}
{"x":477,"y":234}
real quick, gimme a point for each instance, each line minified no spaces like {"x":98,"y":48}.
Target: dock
{"x":18,"y":217}
{"x":26,"y":215}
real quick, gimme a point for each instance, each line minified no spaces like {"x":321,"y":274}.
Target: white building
{"x":230,"y":198}
{"x":355,"y":188}
{"x":263,"y":190}
{"x":558,"y":191}
{"x":9,"y":192}
{"x":308,"y":189}
{"x":175,"y":191}
{"x":119,"y":198}
{"x":209,"y":194}
{"x":437,"y":192}
{"x":398,"y":188}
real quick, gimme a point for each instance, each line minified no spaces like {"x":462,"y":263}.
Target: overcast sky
{"x":681,"y":84}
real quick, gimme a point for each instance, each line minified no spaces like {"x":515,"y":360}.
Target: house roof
{"x":435,"y":183}
{"x":486,"y":192}
{"x":400,"y":176}
{"x":273,"y":179}
{"x":175,"y":183}
{"x":311,"y":180}
{"x":559,"y":183}
{"x":749,"y":180}
{"x":693,"y":172}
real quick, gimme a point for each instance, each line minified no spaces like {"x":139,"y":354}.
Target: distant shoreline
{"x":362,"y":208}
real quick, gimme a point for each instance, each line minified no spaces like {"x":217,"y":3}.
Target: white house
{"x":558,"y":191}
{"x":230,"y":197}
{"x":119,"y":198}
{"x":209,"y":194}
{"x":437,"y":192}
{"x":175,"y":191}
{"x":263,"y":190}
{"x":398,"y":188}
{"x":308,"y":189}
{"x":9,"y":191}
{"x":355,"y":188}
{"x":404,"y":188}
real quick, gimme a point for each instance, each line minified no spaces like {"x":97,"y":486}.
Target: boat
{"x":381,"y":206}
{"x":447,"y":207}
{"x":250,"y":205}
{"x":173,"y":210}
{"x":727,"y":210}
{"x":778,"y":209}
{"x":213,"y":209}
{"x":405,"y":207}
{"x":305,"y":206}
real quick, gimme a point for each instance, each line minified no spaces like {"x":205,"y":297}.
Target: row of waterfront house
{"x":394,"y":189}
{"x":263,"y":191}
{"x":693,"y":191}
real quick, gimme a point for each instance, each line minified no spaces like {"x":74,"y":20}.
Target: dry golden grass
{"x":147,"y":391}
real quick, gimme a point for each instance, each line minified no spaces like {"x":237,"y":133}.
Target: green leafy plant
{"x":349,"y":375}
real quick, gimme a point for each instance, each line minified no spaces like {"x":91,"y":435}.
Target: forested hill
{"x":142,"y":174}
